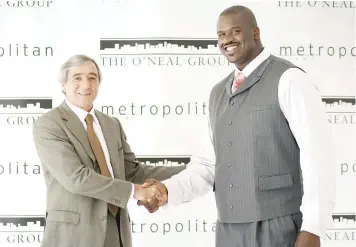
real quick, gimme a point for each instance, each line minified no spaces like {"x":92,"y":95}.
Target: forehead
{"x":226,"y":22}
{"x":85,"y":68}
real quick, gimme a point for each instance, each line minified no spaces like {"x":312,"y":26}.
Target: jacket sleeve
{"x":138,"y":173}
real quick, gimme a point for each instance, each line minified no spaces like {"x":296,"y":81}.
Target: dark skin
{"x":239,"y":41}
{"x":236,"y":30}
{"x":240,"y":30}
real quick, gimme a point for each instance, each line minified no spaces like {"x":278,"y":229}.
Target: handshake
{"x":152,"y":194}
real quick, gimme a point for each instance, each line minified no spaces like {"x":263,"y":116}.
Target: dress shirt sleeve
{"x":198,"y":178}
{"x":302,"y":106}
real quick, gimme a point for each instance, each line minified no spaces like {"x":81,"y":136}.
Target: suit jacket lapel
{"x":111,"y":143}
{"x":76,"y":127}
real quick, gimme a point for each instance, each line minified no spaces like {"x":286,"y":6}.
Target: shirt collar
{"x":81,"y":113}
{"x":254,"y":63}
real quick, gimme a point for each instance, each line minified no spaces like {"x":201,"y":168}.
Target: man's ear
{"x":256,"y":33}
{"x":63,"y":91}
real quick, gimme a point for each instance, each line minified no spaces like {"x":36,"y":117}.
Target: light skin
{"x":81,"y":90}
{"x":82,"y":85}
{"x":154,"y":204}
{"x":239,"y":41}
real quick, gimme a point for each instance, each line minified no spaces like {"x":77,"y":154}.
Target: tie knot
{"x":89,"y":119}
{"x":240,"y":77}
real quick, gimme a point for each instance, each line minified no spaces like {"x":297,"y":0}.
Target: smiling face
{"x":81,"y":87}
{"x":238,"y":38}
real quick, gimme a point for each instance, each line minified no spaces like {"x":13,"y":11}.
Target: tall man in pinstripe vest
{"x":270,"y":164}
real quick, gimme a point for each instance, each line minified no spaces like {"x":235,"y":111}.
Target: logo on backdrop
{"x":23,"y":111}
{"x":164,"y":228}
{"x":26,"y":4}
{"x":344,"y":227}
{"x":309,"y":51}
{"x":164,"y":160}
{"x":163,"y":52}
{"x":22,"y":168}
{"x":348,"y":168}
{"x":29,"y":229}
{"x":340,"y":109}
{"x":21,"y":229}
{"x":164,"y":110}
{"x":25,"y":50}
{"x":322,"y":4}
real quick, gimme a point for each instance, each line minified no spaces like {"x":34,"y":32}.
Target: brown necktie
{"x":99,"y":155}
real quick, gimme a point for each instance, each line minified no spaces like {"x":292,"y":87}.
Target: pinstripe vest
{"x":257,"y":172}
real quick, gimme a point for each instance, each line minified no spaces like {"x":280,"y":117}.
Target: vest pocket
{"x":262,"y":108}
{"x":275,"y":181}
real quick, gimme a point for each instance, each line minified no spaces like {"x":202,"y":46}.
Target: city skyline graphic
{"x":29,"y":105}
{"x":159,"y":46}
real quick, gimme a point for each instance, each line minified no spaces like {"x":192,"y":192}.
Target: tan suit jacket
{"x":77,"y":194}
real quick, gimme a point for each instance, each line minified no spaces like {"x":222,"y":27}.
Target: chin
{"x":232,"y":60}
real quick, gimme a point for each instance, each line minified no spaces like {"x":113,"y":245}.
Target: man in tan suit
{"x":89,"y":169}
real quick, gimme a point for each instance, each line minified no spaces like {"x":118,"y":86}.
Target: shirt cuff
{"x":175,"y":195}
{"x":315,"y":226}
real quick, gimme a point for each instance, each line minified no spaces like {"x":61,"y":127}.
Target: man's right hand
{"x":146,"y":193}
{"x":155,"y":203}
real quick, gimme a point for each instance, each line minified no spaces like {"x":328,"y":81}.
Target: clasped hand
{"x":152,"y":194}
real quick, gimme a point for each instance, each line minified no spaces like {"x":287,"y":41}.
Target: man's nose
{"x":226,"y":39}
{"x":85,"y":84}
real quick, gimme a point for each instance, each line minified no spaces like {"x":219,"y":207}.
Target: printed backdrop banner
{"x":159,"y":61}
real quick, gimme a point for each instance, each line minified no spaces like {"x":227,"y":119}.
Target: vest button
{"x":229,"y":164}
{"x":232,"y":102}
{"x":231,"y":206}
{"x":230,"y":122}
{"x":229,"y":143}
{"x":231,"y":185}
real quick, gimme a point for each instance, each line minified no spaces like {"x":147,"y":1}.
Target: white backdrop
{"x":160,"y":93}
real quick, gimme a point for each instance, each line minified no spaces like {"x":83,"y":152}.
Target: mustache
{"x":230,"y":43}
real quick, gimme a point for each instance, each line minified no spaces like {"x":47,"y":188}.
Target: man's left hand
{"x":307,"y":239}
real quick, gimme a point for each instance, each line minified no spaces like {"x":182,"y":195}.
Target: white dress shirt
{"x":82,"y":114}
{"x":301,"y":105}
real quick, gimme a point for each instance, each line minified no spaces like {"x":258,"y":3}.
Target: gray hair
{"x":75,"y":61}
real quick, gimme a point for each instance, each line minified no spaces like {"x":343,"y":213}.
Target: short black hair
{"x":237,"y":9}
